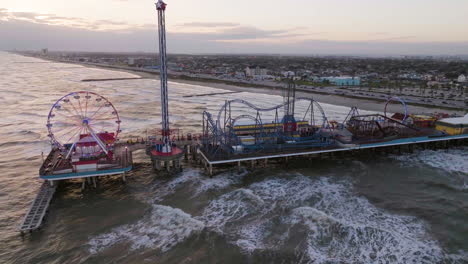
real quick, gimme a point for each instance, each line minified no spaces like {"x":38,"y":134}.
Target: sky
{"x":341,"y":27}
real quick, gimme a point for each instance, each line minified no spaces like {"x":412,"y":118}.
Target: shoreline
{"x":363,"y":103}
{"x":368,"y":104}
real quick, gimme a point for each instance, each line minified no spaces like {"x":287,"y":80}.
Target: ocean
{"x":409,"y":208}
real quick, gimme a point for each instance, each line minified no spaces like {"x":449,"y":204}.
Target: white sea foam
{"x":235,"y":206}
{"x":452,"y":160}
{"x":166,"y":226}
{"x":336,"y":225}
{"x":197,"y":182}
{"x":163,"y":229}
{"x":334,"y":239}
{"x":220,"y":182}
{"x":162,"y":189}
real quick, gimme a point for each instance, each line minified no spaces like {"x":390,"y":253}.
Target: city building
{"x":342,"y":80}
{"x":461,"y":78}
{"x":256,"y":71}
{"x":239,"y":75}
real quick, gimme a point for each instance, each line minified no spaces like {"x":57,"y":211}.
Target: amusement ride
{"x":83,"y":128}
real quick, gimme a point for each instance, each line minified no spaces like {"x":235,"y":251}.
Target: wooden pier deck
{"x":263,"y":156}
{"x":34,"y":217}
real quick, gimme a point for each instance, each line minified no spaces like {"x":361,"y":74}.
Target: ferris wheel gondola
{"x":83,"y":114}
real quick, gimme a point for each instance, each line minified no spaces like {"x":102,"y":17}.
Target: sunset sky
{"x":215,"y":26}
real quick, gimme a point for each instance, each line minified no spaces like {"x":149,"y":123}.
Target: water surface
{"x":411,"y":208}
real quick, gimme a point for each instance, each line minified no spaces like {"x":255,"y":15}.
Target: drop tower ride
{"x":164,"y":153}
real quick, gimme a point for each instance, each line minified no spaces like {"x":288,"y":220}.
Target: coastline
{"x":364,"y":103}
{"x":369,"y":104}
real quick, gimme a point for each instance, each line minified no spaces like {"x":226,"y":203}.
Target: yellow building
{"x":454,"y":125}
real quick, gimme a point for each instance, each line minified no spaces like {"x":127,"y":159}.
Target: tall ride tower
{"x":166,"y":132}
{"x":164,"y":152}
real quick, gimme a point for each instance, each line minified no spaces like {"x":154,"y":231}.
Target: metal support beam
{"x":167,"y":144}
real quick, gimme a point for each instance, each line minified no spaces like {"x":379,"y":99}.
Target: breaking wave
{"x":452,"y":160}
{"x":164,"y":228}
{"x":320,"y":220}
{"x":331,"y":222}
{"x":197,"y":183}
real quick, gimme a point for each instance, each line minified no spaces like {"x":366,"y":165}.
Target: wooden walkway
{"x":264,"y":156}
{"x":34,"y":217}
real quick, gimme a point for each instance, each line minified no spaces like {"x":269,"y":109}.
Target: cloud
{"x":34,"y":31}
{"x":208,"y":24}
{"x":236,"y":32}
{"x":51,"y":19}
{"x":396,"y":38}
{"x":378,"y":33}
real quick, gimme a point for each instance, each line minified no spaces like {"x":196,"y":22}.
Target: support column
{"x":194,"y":152}
{"x":124,"y":179}
{"x":211,"y":170}
{"x":187,"y":152}
{"x":94,"y":182}
{"x":238,"y":166}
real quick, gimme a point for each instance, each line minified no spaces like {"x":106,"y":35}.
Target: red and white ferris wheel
{"x":81,"y":114}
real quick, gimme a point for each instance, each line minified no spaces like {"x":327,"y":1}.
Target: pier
{"x":36,"y":213}
{"x":425,"y":142}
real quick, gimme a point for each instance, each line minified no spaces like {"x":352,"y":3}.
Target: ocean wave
{"x":220,"y":182}
{"x":162,"y":189}
{"x":451,"y":160}
{"x":232,"y":207}
{"x":164,"y":228}
{"x":329,"y":239}
{"x":197,"y":182}
{"x":333,"y":223}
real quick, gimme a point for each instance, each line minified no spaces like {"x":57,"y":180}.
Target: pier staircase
{"x":34,"y":217}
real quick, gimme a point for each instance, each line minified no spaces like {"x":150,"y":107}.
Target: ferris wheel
{"x":82,"y":113}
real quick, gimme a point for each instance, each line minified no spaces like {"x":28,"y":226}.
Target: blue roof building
{"x":343,"y":80}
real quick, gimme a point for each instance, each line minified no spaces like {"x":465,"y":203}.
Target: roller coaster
{"x":242,"y":128}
